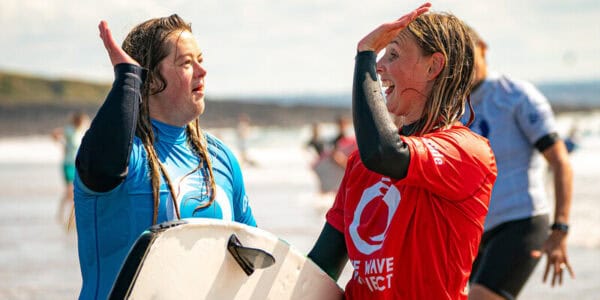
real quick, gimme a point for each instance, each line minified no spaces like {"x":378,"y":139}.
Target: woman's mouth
{"x":198,"y":89}
{"x":388,"y":85}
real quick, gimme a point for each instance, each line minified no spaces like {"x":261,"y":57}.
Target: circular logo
{"x":391,"y":197}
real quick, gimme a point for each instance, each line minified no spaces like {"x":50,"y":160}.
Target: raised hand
{"x":385,"y":33}
{"x":116,"y":54}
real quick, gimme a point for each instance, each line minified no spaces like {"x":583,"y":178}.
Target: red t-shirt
{"x":416,"y":238}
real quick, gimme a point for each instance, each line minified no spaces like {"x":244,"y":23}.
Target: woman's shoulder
{"x":217,"y":147}
{"x":467,"y":144}
{"x":513,"y":88}
{"x":213,"y":142}
{"x":461,"y":136}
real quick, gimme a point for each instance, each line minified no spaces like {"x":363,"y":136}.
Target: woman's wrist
{"x":559,"y":226}
{"x":362,"y":48}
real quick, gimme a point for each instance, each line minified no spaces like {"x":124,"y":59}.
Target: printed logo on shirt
{"x":378,"y":273}
{"x":245,"y":204}
{"x":382,"y":191}
{"x":438,"y":158}
{"x":191,"y":194}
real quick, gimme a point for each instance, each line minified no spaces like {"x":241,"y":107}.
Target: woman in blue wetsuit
{"x":145,"y":159}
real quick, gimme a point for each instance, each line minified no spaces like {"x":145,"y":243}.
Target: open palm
{"x":115,"y":52}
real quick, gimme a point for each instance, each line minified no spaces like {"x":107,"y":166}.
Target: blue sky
{"x":274,"y":47}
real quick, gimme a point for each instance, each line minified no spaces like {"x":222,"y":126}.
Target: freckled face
{"x":403,"y":71}
{"x":183,"y":98}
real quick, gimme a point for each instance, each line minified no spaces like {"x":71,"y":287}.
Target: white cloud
{"x":268,"y":46}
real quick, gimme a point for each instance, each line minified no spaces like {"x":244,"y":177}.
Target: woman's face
{"x":403,"y":71}
{"x":183,"y":98}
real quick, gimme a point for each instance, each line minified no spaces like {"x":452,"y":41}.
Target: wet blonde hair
{"x":448,"y":35}
{"x":148,"y":43}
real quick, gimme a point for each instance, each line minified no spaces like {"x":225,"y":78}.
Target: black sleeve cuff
{"x":546,"y":141}
{"x":131,"y":68}
{"x":369,"y":55}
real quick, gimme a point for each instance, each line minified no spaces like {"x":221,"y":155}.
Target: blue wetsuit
{"x":113,"y":193}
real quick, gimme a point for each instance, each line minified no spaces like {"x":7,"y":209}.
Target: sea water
{"x":38,"y":257}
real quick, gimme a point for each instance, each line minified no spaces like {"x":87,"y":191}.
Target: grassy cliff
{"x":21,"y":89}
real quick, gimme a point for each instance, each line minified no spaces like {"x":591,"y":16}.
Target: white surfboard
{"x":189,"y":259}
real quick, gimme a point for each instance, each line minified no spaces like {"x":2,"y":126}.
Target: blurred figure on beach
{"x":316,"y":141}
{"x":344,"y":143}
{"x":409,"y":212}
{"x":333,"y":155}
{"x":69,"y":138}
{"x":145,"y":159}
{"x":243,"y":130}
{"x":572,"y":138}
{"x":520,"y":125}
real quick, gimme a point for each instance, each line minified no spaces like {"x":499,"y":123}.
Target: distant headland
{"x":32,"y":105}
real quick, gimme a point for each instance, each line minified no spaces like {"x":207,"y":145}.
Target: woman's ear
{"x":436,"y":65}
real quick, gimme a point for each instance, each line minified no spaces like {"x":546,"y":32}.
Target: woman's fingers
{"x":115,"y":53}
{"x":403,"y":21}
{"x":570,"y":269}
{"x":108,"y":41}
{"x":384,"y":34}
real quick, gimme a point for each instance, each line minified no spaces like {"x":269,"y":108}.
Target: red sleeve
{"x":453,"y":164}
{"x":335,"y":215}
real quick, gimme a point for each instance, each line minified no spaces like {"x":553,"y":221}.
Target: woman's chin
{"x":398,"y":120}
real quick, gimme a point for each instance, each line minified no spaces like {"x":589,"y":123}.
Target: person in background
{"x":316,"y":142}
{"x":343,"y":144}
{"x":518,"y":121}
{"x":69,"y":137}
{"x":243,"y":132}
{"x":145,"y":160}
{"x":331,"y":162}
{"x":409,"y":212}
{"x":572,"y":139}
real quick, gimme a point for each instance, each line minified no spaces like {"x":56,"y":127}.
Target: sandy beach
{"x":38,"y":257}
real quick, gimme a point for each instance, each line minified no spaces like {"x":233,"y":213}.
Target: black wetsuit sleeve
{"x":103,"y":156}
{"x":330,"y":251}
{"x":546,"y":141}
{"x":379,"y":144}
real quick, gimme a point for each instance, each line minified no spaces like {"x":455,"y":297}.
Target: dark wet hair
{"x":149,"y":44}
{"x":448,"y":35}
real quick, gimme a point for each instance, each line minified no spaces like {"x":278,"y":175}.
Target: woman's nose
{"x":200,"y":70}
{"x":379,"y":67}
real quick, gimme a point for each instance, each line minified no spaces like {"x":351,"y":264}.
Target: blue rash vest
{"x":513,"y":115}
{"x":116,"y":218}
{"x":113,"y":193}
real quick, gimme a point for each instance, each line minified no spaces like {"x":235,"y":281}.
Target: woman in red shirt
{"x":409,"y":212}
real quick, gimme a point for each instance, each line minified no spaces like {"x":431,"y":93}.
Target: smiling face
{"x":183,"y":98}
{"x":404,"y":75}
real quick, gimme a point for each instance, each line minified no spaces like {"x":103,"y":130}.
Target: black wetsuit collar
{"x":408,"y":129}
